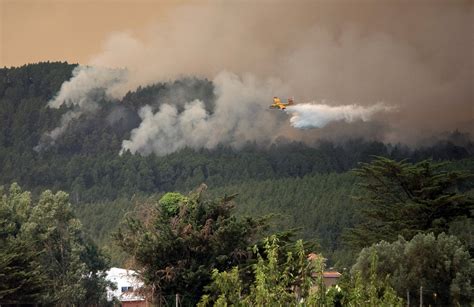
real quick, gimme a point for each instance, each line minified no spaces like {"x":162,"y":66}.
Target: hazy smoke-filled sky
{"x":416,"y":56}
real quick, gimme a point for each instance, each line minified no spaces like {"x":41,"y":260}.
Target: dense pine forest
{"x":310,"y":190}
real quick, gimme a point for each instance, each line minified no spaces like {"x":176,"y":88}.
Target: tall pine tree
{"x":401,"y":198}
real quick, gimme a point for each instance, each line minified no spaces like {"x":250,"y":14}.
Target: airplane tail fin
{"x":276,"y":100}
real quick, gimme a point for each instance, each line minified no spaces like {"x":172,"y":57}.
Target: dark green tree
{"x":45,"y":256}
{"x":21,"y":276}
{"x":175,"y":251}
{"x":401,"y":198}
{"x":440,"y":264}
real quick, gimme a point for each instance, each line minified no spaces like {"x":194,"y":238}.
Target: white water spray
{"x":308,"y":115}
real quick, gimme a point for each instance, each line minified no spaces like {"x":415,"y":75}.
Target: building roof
{"x":123,"y":278}
{"x":331,"y":274}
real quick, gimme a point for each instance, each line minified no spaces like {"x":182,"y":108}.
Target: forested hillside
{"x":346,"y":198}
{"x":85,"y":160}
{"x":307,"y":184}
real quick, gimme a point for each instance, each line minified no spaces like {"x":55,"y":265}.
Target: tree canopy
{"x":292,"y":276}
{"x":176,"y":250}
{"x":45,"y":256}
{"x":441,"y":265}
{"x":402,"y":198}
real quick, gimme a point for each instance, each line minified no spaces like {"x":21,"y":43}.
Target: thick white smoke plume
{"x":309,"y":115}
{"x":84,"y":81}
{"x":416,"y":55}
{"x":81,"y":94}
{"x":241,"y":114}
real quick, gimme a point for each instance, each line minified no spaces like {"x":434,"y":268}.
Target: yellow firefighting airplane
{"x":277,"y":104}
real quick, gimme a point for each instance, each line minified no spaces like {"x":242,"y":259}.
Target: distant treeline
{"x":85,"y":160}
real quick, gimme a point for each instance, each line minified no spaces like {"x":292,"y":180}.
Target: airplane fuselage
{"x":277,"y":104}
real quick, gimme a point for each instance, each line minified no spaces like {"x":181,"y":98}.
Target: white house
{"x":127,"y":283}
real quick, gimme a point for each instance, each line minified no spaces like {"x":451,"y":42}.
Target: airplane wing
{"x":277,"y":104}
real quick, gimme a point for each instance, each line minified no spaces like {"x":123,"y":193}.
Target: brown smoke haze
{"x":417,"y":56}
